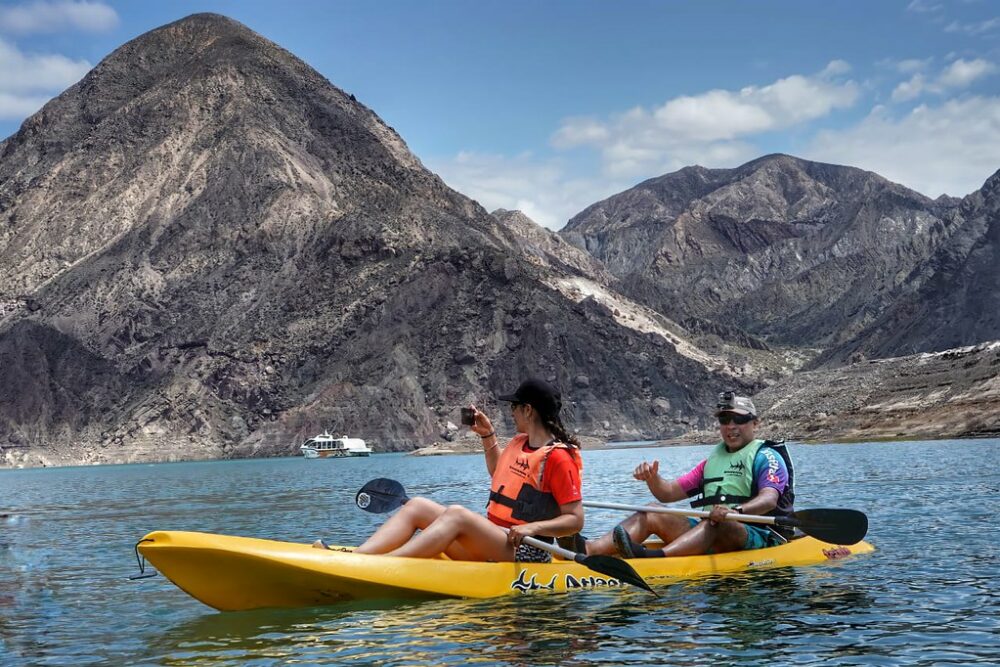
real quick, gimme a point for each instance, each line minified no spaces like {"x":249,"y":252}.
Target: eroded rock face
{"x":835,"y":264}
{"x":955,"y":393}
{"x":799,"y":253}
{"x":209,"y":250}
{"x":953,"y":298}
{"x":550,"y":248}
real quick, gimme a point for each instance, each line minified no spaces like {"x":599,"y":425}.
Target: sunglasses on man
{"x":727,"y":418}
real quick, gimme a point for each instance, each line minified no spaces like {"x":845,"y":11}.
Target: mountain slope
{"x":210,"y":250}
{"x":955,"y":298}
{"x":801,"y":253}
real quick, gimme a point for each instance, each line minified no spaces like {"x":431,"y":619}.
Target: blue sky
{"x":551,"y":106}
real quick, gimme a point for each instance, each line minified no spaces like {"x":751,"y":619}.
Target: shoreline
{"x":46,"y":459}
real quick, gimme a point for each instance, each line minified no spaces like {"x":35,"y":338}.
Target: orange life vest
{"x":516,"y":494}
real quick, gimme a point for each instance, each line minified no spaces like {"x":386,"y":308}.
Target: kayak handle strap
{"x":141,"y":560}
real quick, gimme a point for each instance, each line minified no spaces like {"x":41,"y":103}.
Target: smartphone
{"x":468,"y":416}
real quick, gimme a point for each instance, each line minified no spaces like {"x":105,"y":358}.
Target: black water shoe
{"x":623,"y":542}
{"x":629,"y":549}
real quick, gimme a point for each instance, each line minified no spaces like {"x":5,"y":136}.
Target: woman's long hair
{"x":555,"y":426}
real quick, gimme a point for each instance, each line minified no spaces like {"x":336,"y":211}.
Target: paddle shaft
{"x":697,"y":514}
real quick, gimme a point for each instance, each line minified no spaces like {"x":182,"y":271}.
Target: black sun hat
{"x":537,"y":393}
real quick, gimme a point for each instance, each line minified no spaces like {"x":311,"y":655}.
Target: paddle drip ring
{"x":363,"y":500}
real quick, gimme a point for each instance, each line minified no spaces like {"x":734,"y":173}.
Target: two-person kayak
{"x":238,"y":573}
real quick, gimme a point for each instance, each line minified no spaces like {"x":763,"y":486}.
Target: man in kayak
{"x":741,"y":474}
{"x":535,"y":491}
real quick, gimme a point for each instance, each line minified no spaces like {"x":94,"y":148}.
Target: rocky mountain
{"x":549,"y":247}
{"x":952,"y":299}
{"x":783,"y":250}
{"x":954,"y":393}
{"x":896,"y":297}
{"x":209,"y":250}
{"x":716,"y":344}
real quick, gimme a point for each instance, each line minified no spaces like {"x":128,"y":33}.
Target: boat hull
{"x":311,"y":453}
{"x":239,"y":573}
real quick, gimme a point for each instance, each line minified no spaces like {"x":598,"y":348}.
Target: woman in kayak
{"x":535,"y":491}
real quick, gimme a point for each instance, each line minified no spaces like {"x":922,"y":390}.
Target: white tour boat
{"x":326,"y":447}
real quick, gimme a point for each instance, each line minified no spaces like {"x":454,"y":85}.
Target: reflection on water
{"x":926,"y":597}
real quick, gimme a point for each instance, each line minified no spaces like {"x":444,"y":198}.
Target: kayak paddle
{"x":384,"y":495}
{"x":834,"y":526}
{"x":381,"y":495}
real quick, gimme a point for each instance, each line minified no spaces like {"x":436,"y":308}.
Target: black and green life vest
{"x":729,"y":479}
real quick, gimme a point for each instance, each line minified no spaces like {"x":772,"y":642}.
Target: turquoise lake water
{"x":927,"y":596}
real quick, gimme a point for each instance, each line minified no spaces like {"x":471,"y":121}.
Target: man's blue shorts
{"x":758,"y":537}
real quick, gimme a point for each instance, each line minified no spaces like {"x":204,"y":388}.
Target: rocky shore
{"x":950,"y":394}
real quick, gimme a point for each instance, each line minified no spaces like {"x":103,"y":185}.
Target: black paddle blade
{"x":381,"y":495}
{"x":834,"y":526}
{"x":615,"y":568}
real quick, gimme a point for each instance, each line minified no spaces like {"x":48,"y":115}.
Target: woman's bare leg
{"x":480,"y":538}
{"x":415,"y":515}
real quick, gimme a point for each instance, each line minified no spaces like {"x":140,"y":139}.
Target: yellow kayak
{"x":239,"y":573}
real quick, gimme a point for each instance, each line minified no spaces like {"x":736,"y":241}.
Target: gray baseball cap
{"x":730,"y":402}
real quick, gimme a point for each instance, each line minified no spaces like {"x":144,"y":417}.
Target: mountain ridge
{"x":795,"y":252}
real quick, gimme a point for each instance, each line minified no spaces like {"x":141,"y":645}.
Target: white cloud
{"x":543,"y":190}
{"x":48,"y":17}
{"x":28,"y":81}
{"x":25,"y":72}
{"x":912,"y":65}
{"x":577,"y":131}
{"x":709,"y":128}
{"x":911,"y":89}
{"x":836,"y":68}
{"x":20,"y":106}
{"x":924,"y":6}
{"x":957,"y":75}
{"x":974,"y":28}
{"x":961,"y":73}
{"x":951,"y":148}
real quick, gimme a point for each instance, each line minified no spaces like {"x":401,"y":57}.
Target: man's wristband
{"x":488,"y":435}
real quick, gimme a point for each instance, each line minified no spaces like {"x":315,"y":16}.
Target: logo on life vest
{"x":522,"y":463}
{"x":738,"y":468}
